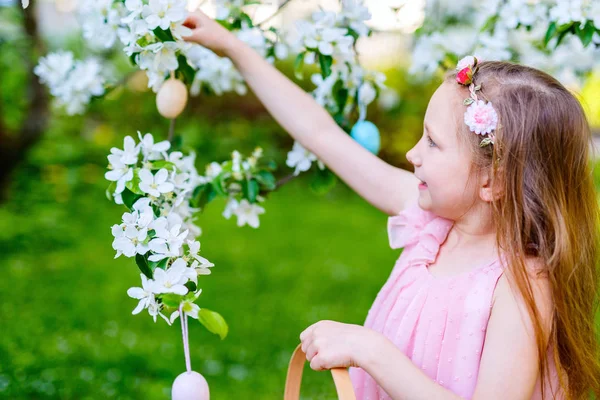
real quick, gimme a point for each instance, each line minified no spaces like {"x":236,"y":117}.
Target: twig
{"x":285,"y":3}
{"x":171,"y":130}
{"x":285,"y":180}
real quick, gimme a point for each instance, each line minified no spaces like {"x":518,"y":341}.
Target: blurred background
{"x":66,"y":329}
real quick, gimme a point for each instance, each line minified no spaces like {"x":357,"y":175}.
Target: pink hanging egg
{"x":190,"y":386}
{"x":171,"y":98}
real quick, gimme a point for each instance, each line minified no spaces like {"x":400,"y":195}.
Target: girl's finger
{"x":190,"y":22}
{"x":311,"y":352}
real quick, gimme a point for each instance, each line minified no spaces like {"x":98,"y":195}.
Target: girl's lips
{"x":422,"y":186}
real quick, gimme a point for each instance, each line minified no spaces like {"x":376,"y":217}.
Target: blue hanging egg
{"x":367,"y":135}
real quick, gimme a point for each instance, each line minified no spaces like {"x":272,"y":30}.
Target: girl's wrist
{"x":232,"y":46}
{"x":374,"y":347}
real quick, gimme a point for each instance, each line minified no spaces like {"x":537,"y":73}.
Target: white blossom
{"x":248,"y":213}
{"x":172,"y":280}
{"x":300,"y":158}
{"x":161,"y":13}
{"x":145,"y":294}
{"x":153,"y":151}
{"x":155,"y":185}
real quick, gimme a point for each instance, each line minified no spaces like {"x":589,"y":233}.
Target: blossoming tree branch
{"x":160,"y":186}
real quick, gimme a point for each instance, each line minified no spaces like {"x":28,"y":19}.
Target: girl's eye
{"x":431,"y":142}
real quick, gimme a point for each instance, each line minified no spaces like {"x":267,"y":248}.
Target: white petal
{"x":146,"y":177}
{"x":136,"y":293}
{"x":138,"y":309}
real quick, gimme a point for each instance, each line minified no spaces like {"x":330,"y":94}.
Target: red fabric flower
{"x":465,"y":76}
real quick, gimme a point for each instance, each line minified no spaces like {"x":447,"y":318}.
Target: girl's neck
{"x":475,"y":229}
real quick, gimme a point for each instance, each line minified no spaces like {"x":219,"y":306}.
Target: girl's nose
{"x":412,"y":157}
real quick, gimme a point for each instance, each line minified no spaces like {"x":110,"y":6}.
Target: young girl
{"x":495,"y":293}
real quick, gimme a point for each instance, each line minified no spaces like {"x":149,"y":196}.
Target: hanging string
{"x":362,"y":107}
{"x":186,"y":344}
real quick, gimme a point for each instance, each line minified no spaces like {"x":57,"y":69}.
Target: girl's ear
{"x":488,"y":193}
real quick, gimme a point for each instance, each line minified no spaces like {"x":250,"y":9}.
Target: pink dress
{"x":438,"y":322}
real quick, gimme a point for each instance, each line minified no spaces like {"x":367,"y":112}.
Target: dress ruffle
{"x":417,"y":227}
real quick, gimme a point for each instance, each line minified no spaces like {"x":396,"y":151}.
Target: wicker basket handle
{"x":341,"y":378}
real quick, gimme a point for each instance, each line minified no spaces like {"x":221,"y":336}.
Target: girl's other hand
{"x":208,"y":33}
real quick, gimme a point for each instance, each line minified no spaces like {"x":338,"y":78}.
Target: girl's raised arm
{"x":383,"y":185}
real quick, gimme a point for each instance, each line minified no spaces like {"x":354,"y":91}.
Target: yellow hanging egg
{"x":171,"y":98}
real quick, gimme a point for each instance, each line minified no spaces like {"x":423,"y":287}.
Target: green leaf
{"x":246,"y":18}
{"x":110,"y":190}
{"x":299,"y":66}
{"x":325,"y":62}
{"x":340,"y":94}
{"x":134,"y":183}
{"x":164,"y":35}
{"x":129,"y":198}
{"x":323,"y":181}
{"x":550,"y":33}
{"x":490,"y":23}
{"x":587,"y":34}
{"x":203,"y":194}
{"x":271,"y":165}
{"x":171,"y":300}
{"x":191,"y":286}
{"x":184,"y":69}
{"x":133,"y":58}
{"x":214,"y":322}
{"x":162,"y":264}
{"x":485,"y":142}
{"x":225,"y":24}
{"x":250,"y":189}
{"x":266,"y":179}
{"x":142,"y":264}
{"x":468,"y":101}
{"x":156,"y":165}
{"x":217,"y":184}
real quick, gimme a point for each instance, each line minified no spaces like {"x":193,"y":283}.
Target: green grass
{"x":66,"y":323}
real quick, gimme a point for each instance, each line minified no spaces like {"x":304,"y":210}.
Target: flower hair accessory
{"x":480,"y":117}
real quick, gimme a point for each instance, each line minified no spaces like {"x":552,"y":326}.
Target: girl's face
{"x":442,"y":161}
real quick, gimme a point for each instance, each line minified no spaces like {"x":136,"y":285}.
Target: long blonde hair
{"x":548,"y":210}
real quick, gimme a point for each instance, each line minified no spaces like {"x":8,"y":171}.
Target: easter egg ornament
{"x":171,"y":98}
{"x":189,"y":385}
{"x":367,"y":135}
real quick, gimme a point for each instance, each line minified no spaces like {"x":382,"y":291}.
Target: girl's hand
{"x":208,"y":33}
{"x":330,"y":344}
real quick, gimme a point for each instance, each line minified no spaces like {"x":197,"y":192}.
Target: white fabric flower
{"x":481,"y":117}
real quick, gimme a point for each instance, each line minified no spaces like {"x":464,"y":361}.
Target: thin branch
{"x":285,"y":3}
{"x":285,"y":180}
{"x":171,"y":130}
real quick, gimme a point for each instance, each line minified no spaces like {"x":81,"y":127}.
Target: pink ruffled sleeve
{"x":405,"y":228}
